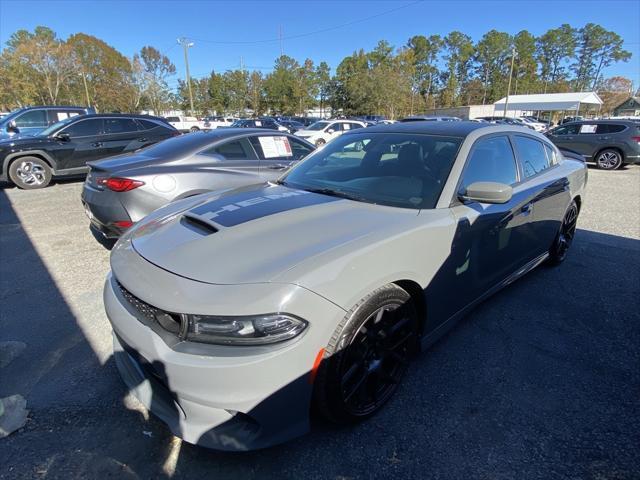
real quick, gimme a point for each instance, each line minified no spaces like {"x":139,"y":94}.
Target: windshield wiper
{"x":337,"y":193}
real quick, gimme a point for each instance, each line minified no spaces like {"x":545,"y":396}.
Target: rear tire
{"x":564,"y":239}
{"x":30,"y":173}
{"x":609,"y":159}
{"x":320,"y":142}
{"x":194,"y":129}
{"x":367,"y":356}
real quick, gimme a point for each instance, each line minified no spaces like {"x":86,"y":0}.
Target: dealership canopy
{"x":549,"y":101}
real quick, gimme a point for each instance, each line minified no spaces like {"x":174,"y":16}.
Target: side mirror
{"x":12,"y":127}
{"x":487,"y":192}
{"x":63,"y":137}
{"x":331,"y":130}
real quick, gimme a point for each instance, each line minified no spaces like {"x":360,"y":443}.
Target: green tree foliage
{"x":157,"y":69}
{"x":554,"y":50}
{"x":106,"y":71}
{"x":458,"y":57}
{"x":428,"y":71}
{"x":424,"y":56}
{"x":597,"y":49}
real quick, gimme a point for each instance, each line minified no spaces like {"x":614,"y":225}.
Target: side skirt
{"x":71,"y":171}
{"x":448,"y":324}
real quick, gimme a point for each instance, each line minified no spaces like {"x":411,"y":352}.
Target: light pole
{"x":86,"y":89}
{"x":506,"y":102}
{"x":185,"y":45}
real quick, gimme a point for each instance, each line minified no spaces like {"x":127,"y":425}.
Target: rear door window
{"x":532,"y":155}
{"x":147,"y":125}
{"x":279,"y":147}
{"x":32,"y":118}
{"x":119,"y":125}
{"x":588,"y":128}
{"x":232,"y":150}
{"x":491,"y":160}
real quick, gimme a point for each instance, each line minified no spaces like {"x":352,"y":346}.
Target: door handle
{"x":277,"y":167}
{"x":142,"y":139}
{"x":96,"y":144}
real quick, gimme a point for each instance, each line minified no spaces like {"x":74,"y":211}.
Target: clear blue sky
{"x":130,"y":25}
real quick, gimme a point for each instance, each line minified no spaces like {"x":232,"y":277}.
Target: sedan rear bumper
{"x":104,"y":209}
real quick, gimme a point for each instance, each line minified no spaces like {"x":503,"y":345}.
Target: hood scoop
{"x":198,"y":223}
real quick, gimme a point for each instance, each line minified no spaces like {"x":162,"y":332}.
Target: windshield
{"x":318,"y":126}
{"x":400,"y":170}
{"x":56,"y":126}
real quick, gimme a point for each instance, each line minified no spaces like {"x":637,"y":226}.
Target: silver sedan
{"x":120,"y":191}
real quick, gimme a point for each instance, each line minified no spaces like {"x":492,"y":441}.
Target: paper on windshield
{"x":274,"y":147}
{"x":62,"y":115}
{"x":588,"y":128}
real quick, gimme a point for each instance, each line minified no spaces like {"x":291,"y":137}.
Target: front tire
{"x":609,"y":159}
{"x":30,"y":173}
{"x":320,"y":142}
{"x":564,"y":239}
{"x":194,"y":129}
{"x":367,"y":356}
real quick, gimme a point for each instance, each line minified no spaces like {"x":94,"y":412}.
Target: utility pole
{"x":506,"y":102}
{"x":86,"y":89}
{"x":186,"y":44}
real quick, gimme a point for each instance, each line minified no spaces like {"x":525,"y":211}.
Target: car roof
{"x":604,"y":120}
{"x":454,"y":129}
{"x":38,"y":107}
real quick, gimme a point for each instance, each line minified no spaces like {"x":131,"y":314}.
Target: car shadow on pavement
{"x":539,"y":381}
{"x":77,"y":425}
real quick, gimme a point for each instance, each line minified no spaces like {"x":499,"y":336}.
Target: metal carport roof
{"x":549,"y":101}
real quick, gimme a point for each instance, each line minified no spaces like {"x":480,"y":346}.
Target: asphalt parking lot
{"x":541,"y":381}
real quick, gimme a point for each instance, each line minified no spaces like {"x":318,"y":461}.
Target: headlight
{"x":251,"y":330}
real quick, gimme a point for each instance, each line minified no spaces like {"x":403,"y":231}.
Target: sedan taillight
{"x":118,"y":184}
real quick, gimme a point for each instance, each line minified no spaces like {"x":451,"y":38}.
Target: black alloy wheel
{"x":368,"y":356}
{"x":565,"y":236}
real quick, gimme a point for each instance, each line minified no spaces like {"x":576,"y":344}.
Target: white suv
{"x":324,"y":131}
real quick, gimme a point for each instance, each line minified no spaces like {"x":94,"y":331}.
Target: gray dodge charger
{"x":234,"y":312}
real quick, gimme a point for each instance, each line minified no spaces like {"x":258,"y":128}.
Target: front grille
{"x":168,"y":321}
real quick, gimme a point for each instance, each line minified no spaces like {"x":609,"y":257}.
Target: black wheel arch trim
{"x":25,"y":153}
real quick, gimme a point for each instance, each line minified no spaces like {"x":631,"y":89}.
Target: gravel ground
{"x":541,"y":381}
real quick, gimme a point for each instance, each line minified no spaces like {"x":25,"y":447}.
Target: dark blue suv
{"x":32,"y":120}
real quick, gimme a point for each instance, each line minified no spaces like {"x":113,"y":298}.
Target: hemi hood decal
{"x":234,"y":209}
